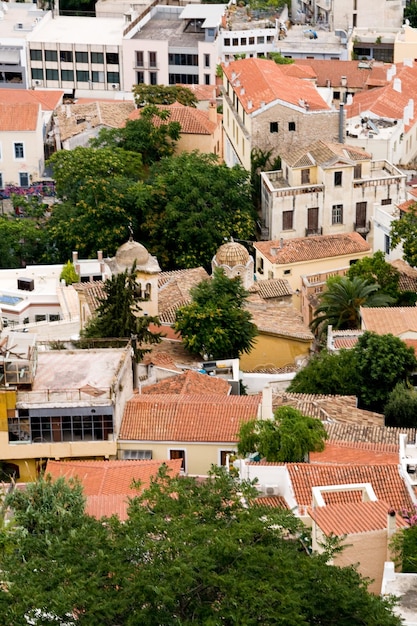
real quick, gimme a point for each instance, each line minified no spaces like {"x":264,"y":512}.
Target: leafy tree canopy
{"x":152,"y":135}
{"x":279,"y":58}
{"x":22,"y":242}
{"x":216,"y":323}
{"x":95,"y":204}
{"x":190,"y":205}
{"x":369,"y":371}
{"x":118,"y":314}
{"x":288,"y":438}
{"x":339,"y":305}
{"x":401,"y":407}
{"x":410,"y":13}
{"x":375,"y":269}
{"x":163,"y":94}
{"x":190,"y":552}
{"x":404,"y":231}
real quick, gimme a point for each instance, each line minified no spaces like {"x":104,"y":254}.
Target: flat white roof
{"x":15,"y":13}
{"x":79,"y":30}
{"x":210,"y":13}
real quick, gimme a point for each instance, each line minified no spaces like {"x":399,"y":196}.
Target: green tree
{"x":163,"y":94}
{"x":69,"y":274}
{"x":369,"y":371}
{"x":382,"y":362}
{"x":118,"y":314}
{"x":375,"y":269}
{"x":288,"y":438}
{"x":261,"y":161}
{"x":404,"y":544}
{"x":152,"y":135}
{"x":340,"y":303}
{"x":328,"y":373}
{"x":401,"y":407}
{"x":22,"y":242}
{"x":404,"y":231}
{"x":188,"y":553}
{"x":216,"y":323}
{"x":279,"y":58}
{"x":95,"y":204}
{"x":190,"y":205}
{"x":410,"y":13}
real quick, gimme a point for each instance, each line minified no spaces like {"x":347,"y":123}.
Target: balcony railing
{"x":314,"y":231}
{"x":362,"y":227}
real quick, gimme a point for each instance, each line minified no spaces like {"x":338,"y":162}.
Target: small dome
{"x":232,"y":254}
{"x":130,"y":252}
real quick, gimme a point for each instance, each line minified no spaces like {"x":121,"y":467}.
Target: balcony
{"x":362,"y":228}
{"x":310,"y":232}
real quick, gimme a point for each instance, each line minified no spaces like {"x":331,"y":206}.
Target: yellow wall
{"x":272,"y":351}
{"x":405,"y":45}
{"x":199,"y":457}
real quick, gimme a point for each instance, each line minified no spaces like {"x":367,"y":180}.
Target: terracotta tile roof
{"x":273,"y":502}
{"x":204,"y":92}
{"x":93,"y":292}
{"x":302,"y":249}
{"x":324,"y":153}
{"x":406,"y":205}
{"x":408,"y":275}
{"x":73,"y":119}
{"x":385,"y":436}
{"x":328,"y":408}
{"x":193,"y":121}
{"x":189,"y":382}
{"x":272,"y":288}
{"x":170,"y":352}
{"x":385,"y":480}
{"x":174,"y":290}
{"x":208,"y":418}
{"x":353,"y":518}
{"x":285,"y":321}
{"x":345,"y":342}
{"x":359,"y":75}
{"x":107,"y":485}
{"x":357,"y":452}
{"x":19,"y":117}
{"x":48,"y":99}
{"x":387,"y":102}
{"x":300,"y":70}
{"x":258,"y":81}
{"x":394,"y":320}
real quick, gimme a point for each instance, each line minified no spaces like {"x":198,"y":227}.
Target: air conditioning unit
{"x":19,"y":26}
{"x":115,"y":86}
{"x":271,"y":490}
{"x":37,"y":83}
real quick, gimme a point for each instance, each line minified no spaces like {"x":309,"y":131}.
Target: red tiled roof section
{"x":107,"y":485}
{"x":189,"y":382}
{"x":193,"y":121}
{"x":408,"y":275}
{"x":258,"y":81}
{"x":406,"y":205}
{"x":302,"y":249}
{"x":358,"y":74}
{"x":19,"y":117}
{"x":394,"y":320}
{"x":353,"y":518}
{"x":385,"y":480}
{"x":324,"y":153}
{"x":343,"y":452}
{"x":386,"y":437}
{"x":48,"y":100}
{"x":193,"y":417}
{"x":273,"y":502}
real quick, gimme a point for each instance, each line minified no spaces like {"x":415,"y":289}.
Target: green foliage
{"x":404,"y":231}
{"x":279,"y":58}
{"x":69,"y":274}
{"x":216,"y":323}
{"x":188,"y":553}
{"x":152,"y":135}
{"x":404,"y":544}
{"x":401,"y":407}
{"x":288,"y":438}
{"x":370,"y":370}
{"x":22,"y":242}
{"x":118,"y":314}
{"x":375,"y":269}
{"x":261,"y":161}
{"x":95,"y":206}
{"x":163,"y":94}
{"x":190,"y":205}
{"x":410,"y":13}
{"x":340,"y":303}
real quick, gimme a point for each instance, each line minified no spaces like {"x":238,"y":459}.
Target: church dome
{"x":130,"y":252}
{"x":232,"y":254}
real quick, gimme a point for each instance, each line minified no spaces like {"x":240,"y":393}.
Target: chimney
{"x":397,"y":85}
{"x":343,"y":81}
{"x":250,"y":105}
{"x":341,"y":123}
{"x":391,"y":71}
{"x":266,"y":408}
{"x":391,"y":522}
{"x":212,"y":111}
{"x":99,"y":255}
{"x":74,"y":257}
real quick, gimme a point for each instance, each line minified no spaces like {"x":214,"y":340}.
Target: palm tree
{"x":340,"y":304}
